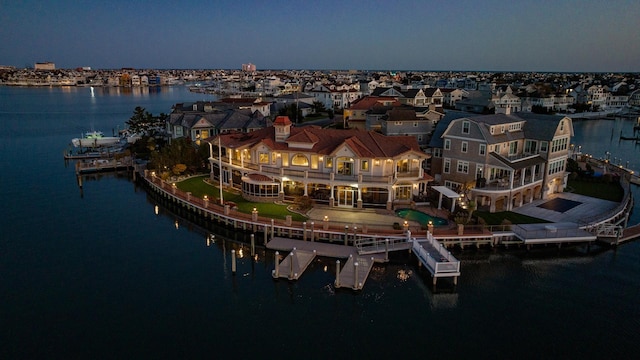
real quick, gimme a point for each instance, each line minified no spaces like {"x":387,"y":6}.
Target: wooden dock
{"x":293,"y":265}
{"x":354,"y":273}
{"x":302,"y":253}
{"x":100,"y":165}
{"x":630,"y":233}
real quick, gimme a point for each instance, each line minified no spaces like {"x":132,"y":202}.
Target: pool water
{"x":422,"y":218}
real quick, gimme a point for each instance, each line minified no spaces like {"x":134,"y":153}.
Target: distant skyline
{"x":491,"y":35}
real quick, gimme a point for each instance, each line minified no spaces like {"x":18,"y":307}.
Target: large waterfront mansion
{"x":346,"y":168}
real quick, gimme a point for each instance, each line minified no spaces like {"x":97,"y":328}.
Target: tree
{"x":318,"y":107}
{"x":292,"y":112}
{"x":181,"y":155}
{"x":143,"y":122}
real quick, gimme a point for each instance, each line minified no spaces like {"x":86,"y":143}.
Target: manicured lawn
{"x":199,"y":188}
{"x":602,"y":190}
{"x":515,"y":218}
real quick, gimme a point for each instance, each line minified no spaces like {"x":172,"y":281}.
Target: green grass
{"x":598,"y":189}
{"x":515,"y":218}
{"x":199,"y":188}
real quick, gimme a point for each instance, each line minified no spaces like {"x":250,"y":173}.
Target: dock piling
{"x":355,"y":275}
{"x":277,"y":269}
{"x":337,"y":273}
{"x":253,"y":245}
{"x":233,"y":262}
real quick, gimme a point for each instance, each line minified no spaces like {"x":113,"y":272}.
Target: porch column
{"x":305,"y":188}
{"x":439,"y":200}
{"x":453,"y":204}
{"x":492,"y":206}
{"x":331,"y":198}
{"x":359,"y":197}
{"x":521,"y":198}
{"x":389,"y":197}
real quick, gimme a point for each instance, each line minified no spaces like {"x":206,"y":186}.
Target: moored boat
{"x":95,"y":139}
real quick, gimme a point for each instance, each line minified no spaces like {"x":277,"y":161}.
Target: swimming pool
{"x":419,"y":216}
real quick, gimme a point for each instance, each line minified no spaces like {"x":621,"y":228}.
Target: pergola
{"x":443,"y":190}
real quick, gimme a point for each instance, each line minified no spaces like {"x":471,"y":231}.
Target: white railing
{"x":378,"y":244}
{"x":450,"y":265}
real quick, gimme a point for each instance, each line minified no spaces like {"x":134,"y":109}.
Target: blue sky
{"x":542,"y":35}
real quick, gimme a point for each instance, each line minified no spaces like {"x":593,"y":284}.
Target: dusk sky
{"x":538,"y":35}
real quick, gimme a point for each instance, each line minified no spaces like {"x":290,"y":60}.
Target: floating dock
{"x":352,"y":275}
{"x":293,"y":265}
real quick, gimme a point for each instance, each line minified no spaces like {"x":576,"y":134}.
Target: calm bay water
{"x":98,"y":274}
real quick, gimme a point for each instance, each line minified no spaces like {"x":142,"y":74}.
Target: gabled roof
{"x":542,"y":127}
{"x":303,"y":136}
{"x":436,"y":140}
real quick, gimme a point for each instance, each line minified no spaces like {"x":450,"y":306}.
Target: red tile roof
{"x":282,"y":120}
{"x":366,"y":144}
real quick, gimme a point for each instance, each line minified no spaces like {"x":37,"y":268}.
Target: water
{"x":421,"y":217}
{"x":98,"y":274}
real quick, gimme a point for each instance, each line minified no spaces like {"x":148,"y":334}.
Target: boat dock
{"x":301,"y":253}
{"x":361,"y":258}
{"x":98,"y":165}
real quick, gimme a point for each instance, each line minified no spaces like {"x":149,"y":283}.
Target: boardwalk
{"x":630,"y":233}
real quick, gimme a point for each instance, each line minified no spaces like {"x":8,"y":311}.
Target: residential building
{"x":342,"y":168}
{"x":201,"y":120}
{"x":505,"y":160}
{"x":356,"y":114}
{"x":404,"y":121}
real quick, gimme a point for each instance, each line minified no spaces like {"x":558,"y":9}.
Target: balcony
{"x":311,"y":175}
{"x":502,"y":184}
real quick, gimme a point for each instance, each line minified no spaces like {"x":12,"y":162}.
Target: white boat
{"x":95,"y":139}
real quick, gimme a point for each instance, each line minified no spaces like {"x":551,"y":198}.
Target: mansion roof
{"x":365,"y":144}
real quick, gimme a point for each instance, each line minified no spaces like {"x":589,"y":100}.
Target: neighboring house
{"x":617,"y":100}
{"x":343,"y":168}
{"x":403,"y":121}
{"x":506,"y":101}
{"x":356,"y":114}
{"x":240,"y":103}
{"x":505,"y":160}
{"x":334,"y":98}
{"x":597,"y":96}
{"x":201,"y":120}
{"x":451,"y":96}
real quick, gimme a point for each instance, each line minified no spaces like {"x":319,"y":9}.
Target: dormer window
{"x":465,"y":127}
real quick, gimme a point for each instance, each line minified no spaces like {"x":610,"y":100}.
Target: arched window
{"x":300,"y":160}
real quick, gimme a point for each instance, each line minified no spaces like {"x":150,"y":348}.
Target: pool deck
{"x":350,"y":216}
{"x":588,"y":208}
